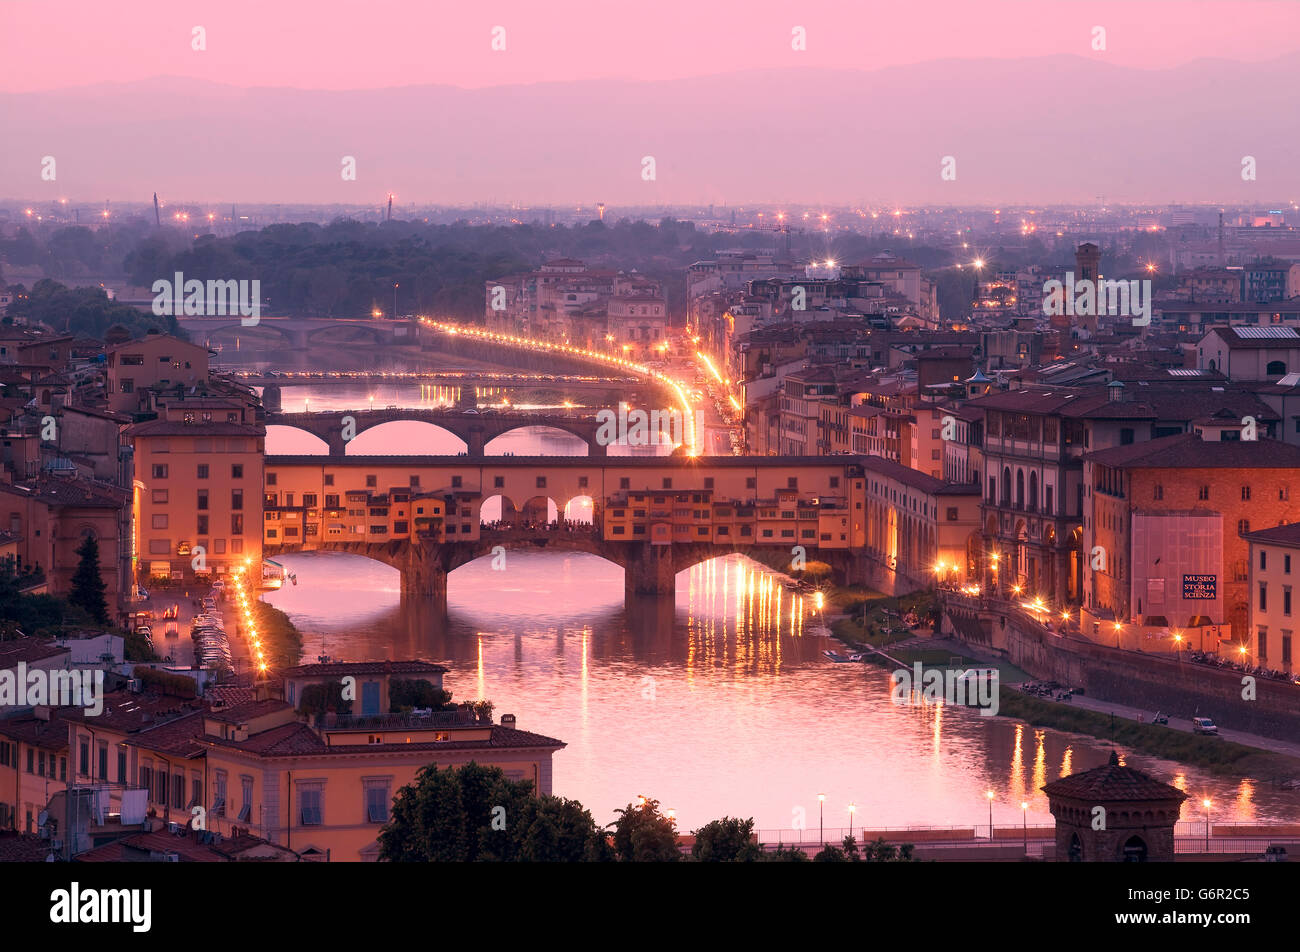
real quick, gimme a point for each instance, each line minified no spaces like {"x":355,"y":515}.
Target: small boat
{"x":844,"y":659}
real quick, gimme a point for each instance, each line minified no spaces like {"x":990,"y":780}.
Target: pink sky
{"x":360,"y":44}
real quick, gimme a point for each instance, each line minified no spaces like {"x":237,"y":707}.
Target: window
{"x":415,"y":481}
{"x":202,"y":471}
{"x":1203,"y":493}
{"x":309,"y":500}
{"x":582,"y":482}
{"x":236,"y":470}
{"x":1286,"y":564}
{"x":84,"y":760}
{"x":1126,"y":436}
{"x":1286,"y":600}
{"x":160,"y":496}
{"x":624,"y":483}
{"x":1263,"y":596}
{"x":371,"y":481}
{"x":121,"y":766}
{"x":236,"y":499}
{"x":1245,"y":493}
{"x":246,"y":791}
{"x":203,"y":499}
{"x":668,"y":483}
{"x":178,"y":791}
{"x":329,"y":479}
{"x":792,"y":482}
{"x":1243,"y":526}
{"x":310,"y":804}
{"x":237,"y":523}
{"x":751,"y":482}
{"x":219,"y":800}
{"x":708,"y":482}
{"x":541,"y":482}
{"x":103,"y":760}
{"x":196,"y":792}
{"x":455,"y":482}
{"x":159,"y":470}
{"x":498,"y":482}
{"x":1159,"y":491}
{"x":377,"y":799}
{"x":271,"y":477}
{"x":952,"y":513}
{"x":1263,"y":560}
{"x":159,"y":520}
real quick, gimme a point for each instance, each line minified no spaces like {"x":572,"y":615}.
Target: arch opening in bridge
{"x":580,"y":509}
{"x":346,"y":334}
{"x":539,"y":510}
{"x":406,"y":438}
{"x":292,"y":441}
{"x":498,"y":510}
{"x":537,"y":441}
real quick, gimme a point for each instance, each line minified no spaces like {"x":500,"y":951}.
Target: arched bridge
{"x":300,"y":333}
{"x":475,"y":428}
{"x":654,"y":517}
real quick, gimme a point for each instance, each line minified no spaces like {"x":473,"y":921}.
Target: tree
{"x":88,"y":585}
{"x":729,"y":840}
{"x":474,"y":813}
{"x":404,"y":693}
{"x":644,"y":835}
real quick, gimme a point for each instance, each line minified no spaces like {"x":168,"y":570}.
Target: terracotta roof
{"x":22,"y":847}
{"x":1189,"y":451}
{"x":247,"y":710}
{"x":180,"y":428}
{"x":178,"y":737}
{"x":187,"y":846}
{"x":1111,"y":782}
{"x":49,"y":734}
{"x":298,"y":740}
{"x":1281,"y":535}
{"x":29,"y":650}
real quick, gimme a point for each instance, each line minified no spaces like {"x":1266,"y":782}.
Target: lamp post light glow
{"x":853,"y":808}
{"x":821,"y":818}
{"x":1206,"y":803}
{"x":989,"y":794}
{"x":1024,"y":812}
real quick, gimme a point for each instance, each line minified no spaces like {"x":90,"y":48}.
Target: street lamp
{"x":1118,"y":630}
{"x":1024,"y":812}
{"x":1207,"y":804}
{"x":395,"y":287}
{"x":853,"y":808}
{"x":821,"y":817}
{"x":989,"y":794}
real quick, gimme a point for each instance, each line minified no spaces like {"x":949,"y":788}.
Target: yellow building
{"x":197,"y":493}
{"x":325,"y":790}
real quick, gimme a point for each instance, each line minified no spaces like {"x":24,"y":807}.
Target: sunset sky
{"x":340,"y":44}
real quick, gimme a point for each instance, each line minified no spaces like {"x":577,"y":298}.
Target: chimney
{"x":508,"y":720}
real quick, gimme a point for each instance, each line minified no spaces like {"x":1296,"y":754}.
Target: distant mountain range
{"x":1051,"y":129}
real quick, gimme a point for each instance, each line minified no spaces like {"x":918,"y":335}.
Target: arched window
{"x":1275,"y":368}
{"x":1135,"y":850}
{"x":1033,"y":492}
{"x":1020,"y":488}
{"x":1006,"y":485}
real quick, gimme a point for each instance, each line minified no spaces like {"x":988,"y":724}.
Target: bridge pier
{"x":649,"y":570}
{"x":424,"y":574}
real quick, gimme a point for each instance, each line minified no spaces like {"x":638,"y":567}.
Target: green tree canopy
{"x":729,"y":840}
{"x":644,"y":835}
{"x":475,"y":813}
{"x":88,"y":586}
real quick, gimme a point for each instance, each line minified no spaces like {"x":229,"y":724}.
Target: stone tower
{"x":1114,"y":814}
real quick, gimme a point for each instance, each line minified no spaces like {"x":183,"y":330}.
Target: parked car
{"x":1204,"y":725}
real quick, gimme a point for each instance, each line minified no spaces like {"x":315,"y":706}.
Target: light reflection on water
{"x":720,"y":704}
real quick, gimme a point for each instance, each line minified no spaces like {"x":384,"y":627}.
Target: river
{"x":720,"y":704}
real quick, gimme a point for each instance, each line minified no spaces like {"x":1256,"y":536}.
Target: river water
{"x":720,"y":704}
